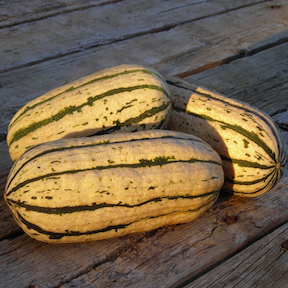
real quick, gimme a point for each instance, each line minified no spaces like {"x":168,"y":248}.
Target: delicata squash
{"x":92,"y":188}
{"x":248,"y":140}
{"x":124,"y":98}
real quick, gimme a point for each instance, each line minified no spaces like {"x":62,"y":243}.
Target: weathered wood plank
{"x":73,"y":32}
{"x":28,"y":263}
{"x":260,"y":80}
{"x":17,"y":12}
{"x":262,"y":264}
{"x":8,"y":227}
{"x":6,"y":162}
{"x":282,"y":120}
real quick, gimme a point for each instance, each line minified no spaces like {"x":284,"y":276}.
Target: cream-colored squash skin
{"x":124,"y":98}
{"x":248,"y":140}
{"x":93,"y":188}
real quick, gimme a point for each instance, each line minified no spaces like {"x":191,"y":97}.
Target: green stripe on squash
{"x":120,"y":229}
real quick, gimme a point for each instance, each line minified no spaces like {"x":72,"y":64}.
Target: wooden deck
{"x":237,"y":48}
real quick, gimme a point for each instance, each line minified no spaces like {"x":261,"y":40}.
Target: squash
{"x":248,"y":140}
{"x":125,"y":98}
{"x":92,"y":188}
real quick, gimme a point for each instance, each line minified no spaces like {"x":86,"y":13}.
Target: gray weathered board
{"x":237,"y":48}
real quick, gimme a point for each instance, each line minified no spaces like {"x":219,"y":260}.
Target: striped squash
{"x":91,"y":188}
{"x":119,"y":99}
{"x":248,"y":141}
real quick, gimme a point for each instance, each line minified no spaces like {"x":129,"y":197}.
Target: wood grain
{"x":5,"y":158}
{"x":17,"y":12}
{"x":100,"y":25}
{"x":262,"y":264}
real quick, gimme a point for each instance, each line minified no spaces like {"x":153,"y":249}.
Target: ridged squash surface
{"x":248,"y":141}
{"x":92,"y":188}
{"x":124,"y":98}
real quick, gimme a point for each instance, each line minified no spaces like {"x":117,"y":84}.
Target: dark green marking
{"x":71,"y":109}
{"x":157,"y":161}
{"x":250,"y":135}
{"x":246,"y":143}
{"x":245,"y":163}
{"x":148,"y":163}
{"x":57,"y":236}
{"x":256,"y":181}
{"x":123,"y":108}
{"x":137,"y":119}
{"x":95,"y":206}
{"x":275,"y":175}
